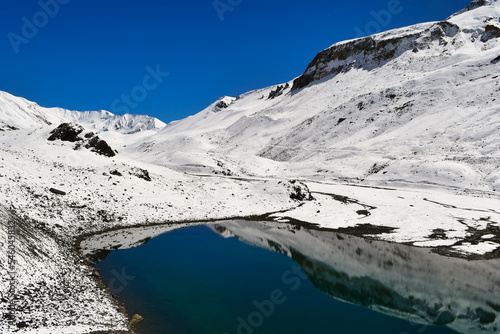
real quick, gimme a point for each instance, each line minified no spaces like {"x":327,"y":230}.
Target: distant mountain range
{"x":17,"y":112}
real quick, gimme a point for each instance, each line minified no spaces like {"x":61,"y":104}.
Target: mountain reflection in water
{"x":398,"y":280}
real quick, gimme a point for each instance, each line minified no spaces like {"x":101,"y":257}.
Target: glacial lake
{"x":242,"y":277}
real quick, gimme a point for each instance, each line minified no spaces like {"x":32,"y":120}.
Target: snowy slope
{"x":17,"y":112}
{"x":419,"y":104}
{"x":55,"y":289}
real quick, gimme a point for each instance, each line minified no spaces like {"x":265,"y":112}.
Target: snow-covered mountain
{"x":19,"y":113}
{"x":416,"y":105}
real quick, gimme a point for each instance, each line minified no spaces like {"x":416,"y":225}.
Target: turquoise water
{"x":193,"y":281}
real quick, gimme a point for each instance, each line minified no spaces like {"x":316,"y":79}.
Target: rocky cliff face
{"x":373,"y":51}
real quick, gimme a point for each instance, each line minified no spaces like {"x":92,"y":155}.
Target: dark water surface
{"x":193,"y":280}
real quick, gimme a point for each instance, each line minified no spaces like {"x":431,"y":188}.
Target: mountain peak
{"x":476,"y":4}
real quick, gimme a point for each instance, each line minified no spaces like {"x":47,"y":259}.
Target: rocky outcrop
{"x":299,"y":191}
{"x":490,"y":32}
{"x":141,"y":173}
{"x":99,"y":146}
{"x":67,"y":132}
{"x":278,"y":91}
{"x":221,"y":105}
{"x":370,"y":52}
{"x":70,"y":132}
{"x":6,"y":127}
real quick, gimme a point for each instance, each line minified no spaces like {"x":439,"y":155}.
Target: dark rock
{"x":67,"y":132}
{"x":300,"y":191}
{"x":448,"y":29}
{"x":141,"y":173}
{"x":21,"y":324}
{"x":7,"y":127}
{"x":70,"y":132}
{"x":496,"y":60}
{"x":485,"y":317}
{"x":135,"y":320}
{"x":438,"y":233}
{"x":342,"y":119}
{"x":221,"y":105}
{"x":99,"y":146}
{"x":115,"y":172}
{"x":445,"y":318}
{"x":376,"y":168}
{"x":57,"y":192}
{"x":277,"y":92}
{"x":490,"y":32}
{"x":365,"y":213}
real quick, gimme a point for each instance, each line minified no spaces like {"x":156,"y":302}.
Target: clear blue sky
{"x":88,"y":54}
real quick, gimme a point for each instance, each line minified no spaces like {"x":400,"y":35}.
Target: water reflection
{"x":402,"y":281}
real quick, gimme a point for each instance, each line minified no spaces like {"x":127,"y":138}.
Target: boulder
{"x":135,"y":320}
{"x":141,"y":173}
{"x":299,"y":191}
{"x":57,"y":192}
{"x":99,"y":146}
{"x":67,"y":132}
{"x":115,"y":172}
